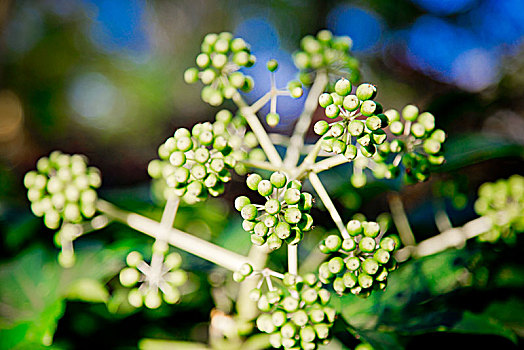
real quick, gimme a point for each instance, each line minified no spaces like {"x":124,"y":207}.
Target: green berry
{"x":431,"y":146}
{"x":336,"y":265}
{"x":290,"y":304}
{"x":367,"y":244}
{"x":278,"y":179}
{"x":265,"y":188}
{"x":292,"y":196}
{"x":272,"y":65}
{"x":354,"y":227}
{"x":191,"y":75}
{"x":418,"y":130}
{"x":332,"y":111}
{"x":272,"y":119}
{"x":274,"y":242}
{"x":306,"y":201}
{"x":272,"y":206}
{"x":343,"y":87}
{"x":410,"y":113}
{"x":373,"y":123}
{"x":283,"y":230}
{"x":337,"y":130}
{"x":351,"y":103}
{"x":292,"y":215}
{"x":392,"y":115}
{"x":382,"y":256}
{"x":356,"y":128}
{"x":370,"y":266}
{"x":321,"y":127}
{"x":348,"y":244}
{"x":349,"y":279}
{"x":351,"y":152}
{"x":371,"y":229}
{"x":353,"y":263}
{"x":333,"y":243}
{"x":325,"y":100}
{"x":366,"y":92}
{"x":365,"y":280}
{"x":396,"y":127}
{"x":388,"y":244}
{"x":368,"y":108}
{"x":249,"y":212}
{"x":339,"y":147}
{"x":252,"y":181}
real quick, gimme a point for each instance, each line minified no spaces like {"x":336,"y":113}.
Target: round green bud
{"x":336,"y":130}
{"x":257,"y":240}
{"x":336,"y":265}
{"x":246,"y":269}
{"x":350,"y":152}
{"x":252,"y":181}
{"x":354,"y":227}
{"x":321,"y":127}
{"x":278,"y":179}
{"x":292,"y":196}
{"x":439,"y":135}
{"x":272,"y":206}
{"x":337,"y":99}
{"x":348,"y":244}
{"x":343,"y":87}
{"x":198,"y":171}
{"x":325,"y":100}
{"x":373,"y":123}
{"x":203,"y":60}
{"x":260,"y":229}
{"x":431,"y":146}
{"x":370,"y":266}
{"x":339,"y":147}
{"x":283,"y":230}
{"x":279,"y":317}
{"x":238,"y":277}
{"x":351,"y":103}
{"x":292,"y":215}
{"x":272,"y":65}
{"x":274,"y":242}
{"x":255,"y":294}
{"x":371,"y":229}
{"x":272,"y":119}
{"x":356,"y":128}
{"x":308,"y":334}
{"x":365,"y":280}
{"x":379,"y":137}
{"x":410,"y":113}
{"x":392,"y":115}
{"x":270,"y":221}
{"x":338,"y":285}
{"x":306,"y":201}
{"x":238,"y":44}
{"x":366,"y":92}
{"x":249,"y":212}
{"x":382,"y":256}
{"x":300,"y":318}
{"x":265,"y":188}
{"x":332,"y":111}
{"x":349,"y":279}
{"x":191,"y":75}
{"x":368,"y":108}
{"x":290,"y":304}
{"x":353,"y":263}
{"x":264,"y":322}
{"x":397,"y":146}
{"x":388,"y":244}
{"x":396,"y":127}
{"x":333,"y":242}
{"x":418,"y":130}
{"x":358,"y":180}
{"x":367,"y":244}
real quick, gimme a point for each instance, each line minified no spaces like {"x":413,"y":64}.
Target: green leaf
{"x":33,"y":289}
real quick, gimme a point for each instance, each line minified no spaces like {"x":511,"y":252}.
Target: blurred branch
{"x":451,"y":238}
{"x":401,"y":220}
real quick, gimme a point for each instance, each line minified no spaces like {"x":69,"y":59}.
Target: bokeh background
{"x":104,"y":78}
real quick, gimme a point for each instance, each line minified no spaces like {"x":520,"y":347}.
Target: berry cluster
{"x":218,"y":64}
{"x":338,"y":136}
{"x":503,"y":201}
{"x":197,"y":163}
{"x":418,"y":145}
{"x":159,"y":280}
{"x":359,"y":263}
{"x":327,"y":53}
{"x":296,"y":317}
{"x":284,"y":216}
{"x":63,"y":189}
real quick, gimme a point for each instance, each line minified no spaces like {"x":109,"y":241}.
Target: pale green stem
{"x":177,"y":238}
{"x":258,"y":130}
{"x":401,"y":220}
{"x":247,"y":308}
{"x":292,"y":259}
{"x":308,"y":162}
{"x":166,"y":222}
{"x":304,"y":121}
{"x":328,"y":163}
{"x":451,"y":238}
{"x":326,"y":200}
{"x":263,"y":165}
{"x":441,"y":217}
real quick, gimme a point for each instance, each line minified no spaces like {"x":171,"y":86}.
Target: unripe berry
{"x":265,"y":188}
{"x":356,"y":128}
{"x":278,"y":179}
{"x":272,"y":119}
{"x":410,"y":113}
{"x":292,"y":215}
{"x":332,"y":111}
{"x":325,"y":100}
{"x":283,"y":230}
{"x":272,"y":65}
{"x":368,"y":108}
{"x":336,"y":265}
{"x":343,"y":87}
{"x":252,"y":181}
{"x":367,"y":244}
{"x":351,"y":103}
{"x":249,"y":212}
{"x":353,"y":263}
{"x":292,"y":196}
{"x":366,"y":92}
{"x":321,"y":127}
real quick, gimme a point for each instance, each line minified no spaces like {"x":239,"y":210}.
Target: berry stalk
{"x":177,"y":238}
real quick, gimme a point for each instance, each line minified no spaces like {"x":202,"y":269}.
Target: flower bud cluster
{"x":218,"y":66}
{"x":63,"y":189}
{"x":297,"y":316}
{"x":283,"y":217}
{"x":362,"y":120}
{"x":328,"y":53}
{"x":195,"y":164}
{"x":360,"y":263}
{"x":418,"y":145}
{"x":158,"y":281}
{"x":503,"y":202}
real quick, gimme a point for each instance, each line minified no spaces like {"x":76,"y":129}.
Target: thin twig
{"x":302,"y":125}
{"x":326,"y":199}
{"x":401,"y":220}
{"x":292,"y":259}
